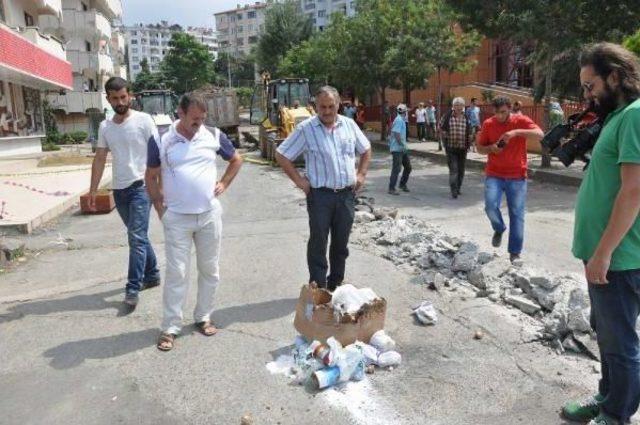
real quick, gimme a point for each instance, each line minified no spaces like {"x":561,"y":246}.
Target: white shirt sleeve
{"x":362,"y":143}
{"x":293,"y":145}
{"x":102,"y":140}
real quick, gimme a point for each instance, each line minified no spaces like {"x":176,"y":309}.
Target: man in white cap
{"x":399,"y":151}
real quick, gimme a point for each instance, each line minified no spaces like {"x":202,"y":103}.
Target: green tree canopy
{"x":147,"y":80}
{"x":188,"y":64}
{"x":284,"y":28}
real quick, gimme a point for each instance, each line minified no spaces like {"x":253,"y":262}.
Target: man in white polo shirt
{"x":127,"y":135}
{"x":183,"y":184}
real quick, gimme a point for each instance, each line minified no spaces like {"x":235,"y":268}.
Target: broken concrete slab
{"x":523,"y":304}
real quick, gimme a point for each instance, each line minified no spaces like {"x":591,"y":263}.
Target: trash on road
{"x":317,"y":319}
{"x":426,"y":313}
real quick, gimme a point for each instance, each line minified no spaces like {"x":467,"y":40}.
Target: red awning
{"x":24,"y":62}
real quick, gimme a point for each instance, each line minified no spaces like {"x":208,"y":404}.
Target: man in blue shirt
{"x":330,"y":144}
{"x":399,"y":151}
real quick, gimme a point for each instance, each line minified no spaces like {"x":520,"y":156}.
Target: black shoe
{"x":496,"y":240}
{"x":514,"y":257}
{"x":454,"y":195}
{"x":131,"y":299}
{"x":404,"y":189}
{"x":152,"y":284}
{"x":393,"y":192}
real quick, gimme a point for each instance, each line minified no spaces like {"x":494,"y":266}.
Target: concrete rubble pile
{"x":443,"y":262}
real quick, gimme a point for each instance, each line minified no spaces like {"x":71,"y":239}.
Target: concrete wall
{"x":20,"y":145}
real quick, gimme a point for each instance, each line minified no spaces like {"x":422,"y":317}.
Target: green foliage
{"x":558,"y":29}
{"x":284,"y":28}
{"x":244,"y":96}
{"x":78,"y":137}
{"x":632,"y":43}
{"x":50,"y":124}
{"x":147,"y":80}
{"x":188,"y":64}
{"x":48,"y":147}
{"x":242,"y":70}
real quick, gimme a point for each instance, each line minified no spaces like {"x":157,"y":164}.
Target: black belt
{"x":328,"y":189}
{"x":136,"y":184}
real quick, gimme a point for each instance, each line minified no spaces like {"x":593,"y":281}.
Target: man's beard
{"x":121,"y":109}
{"x":606,"y":103}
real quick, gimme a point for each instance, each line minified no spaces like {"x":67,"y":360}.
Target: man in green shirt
{"x":607,"y":232}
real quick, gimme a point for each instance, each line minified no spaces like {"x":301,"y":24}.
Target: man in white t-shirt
{"x":127,"y":135}
{"x":183,"y":184}
{"x":421,"y":122}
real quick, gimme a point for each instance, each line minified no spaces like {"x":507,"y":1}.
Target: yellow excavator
{"x":278,"y":106}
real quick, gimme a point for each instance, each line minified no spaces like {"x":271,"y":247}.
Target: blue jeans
{"x":133,"y":205}
{"x":614,"y":310}
{"x":516,"y":192}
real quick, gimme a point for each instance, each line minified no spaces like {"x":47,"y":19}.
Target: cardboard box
{"x":315,"y":318}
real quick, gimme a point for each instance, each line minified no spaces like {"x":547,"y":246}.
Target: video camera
{"x":581,"y":142}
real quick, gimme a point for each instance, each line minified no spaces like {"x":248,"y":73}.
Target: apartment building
{"x":206,"y":36}
{"x":150,"y":42}
{"x":96,"y":52}
{"x":239,"y":29}
{"x":32,"y":63}
{"x":320,"y":11}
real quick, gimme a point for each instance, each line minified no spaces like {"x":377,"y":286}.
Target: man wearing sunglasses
{"x":607,"y":232}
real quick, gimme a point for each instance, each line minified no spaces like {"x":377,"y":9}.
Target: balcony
{"x":45,"y":42}
{"x":90,"y":62}
{"x":90,"y":25}
{"x":49,"y":7}
{"x":117,"y":42}
{"x":110,"y":8}
{"x":78,"y":102}
{"x":33,"y":60}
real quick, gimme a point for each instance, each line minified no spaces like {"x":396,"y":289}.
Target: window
{"x":240,"y":29}
{"x":134,"y":41}
{"x":136,"y":67}
{"x":239,"y":16}
{"x":134,"y":50}
{"x":134,"y":32}
{"x":136,"y":58}
{"x":310,"y":6}
{"x":253,"y":39}
{"x":87,"y":46}
{"x":251,"y":15}
{"x":28,"y":20}
{"x":322,"y":13}
{"x":240,"y":42}
{"x":84,"y":7}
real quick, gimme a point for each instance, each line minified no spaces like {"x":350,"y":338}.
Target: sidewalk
{"x":37,"y":188}
{"x":557,"y":174}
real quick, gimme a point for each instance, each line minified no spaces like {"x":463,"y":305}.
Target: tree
{"x":242,"y":70}
{"x":188,"y":64}
{"x":387,"y":44}
{"x":147,"y":80}
{"x":284,"y":28}
{"x":557,"y":29}
{"x":632,"y":43}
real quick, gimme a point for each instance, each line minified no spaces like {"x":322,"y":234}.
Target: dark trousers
{"x":134,"y":206}
{"x":456,"y":160}
{"x":407,"y":130}
{"x":431,"y":130}
{"x":400,"y":161}
{"x":330,"y":213}
{"x":614,"y":310}
{"x":422,"y":130}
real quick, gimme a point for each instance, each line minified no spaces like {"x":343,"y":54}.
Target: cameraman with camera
{"x":607,"y":232}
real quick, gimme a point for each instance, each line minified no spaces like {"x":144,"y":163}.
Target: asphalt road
{"x":70,"y":355}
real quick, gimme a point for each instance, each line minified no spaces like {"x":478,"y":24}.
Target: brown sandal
{"x":206,"y":328}
{"x":166,"y":341}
